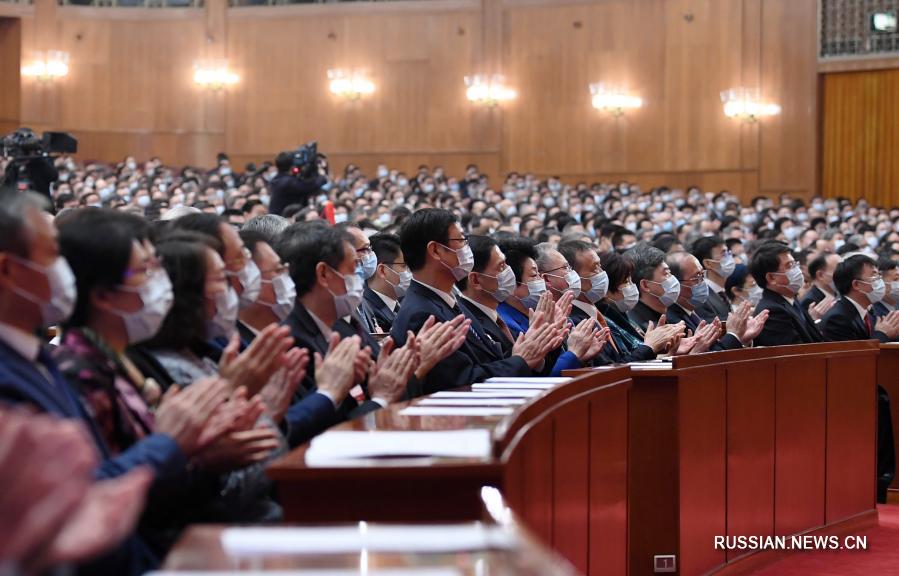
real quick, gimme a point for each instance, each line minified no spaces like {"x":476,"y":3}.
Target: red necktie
{"x":869,"y":324}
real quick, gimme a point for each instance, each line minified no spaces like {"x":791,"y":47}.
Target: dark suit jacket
{"x":677,"y":314}
{"x":881,"y":310}
{"x":843,"y":322}
{"x":786,"y":324}
{"x":715,"y":307}
{"x":310,"y":414}
{"x":379,"y":310}
{"x":642,"y":315}
{"x":474,"y":362}
{"x":813,"y":296}
{"x":491,"y":328}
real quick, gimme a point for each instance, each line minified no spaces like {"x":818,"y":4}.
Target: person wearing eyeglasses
{"x":719,"y":263}
{"x":694,"y":291}
{"x":276,"y":295}
{"x":366,"y":265}
{"x":780,"y":277}
{"x":387,"y":286}
{"x":859,"y":282}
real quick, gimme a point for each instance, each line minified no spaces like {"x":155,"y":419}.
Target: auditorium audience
{"x":209,"y":320}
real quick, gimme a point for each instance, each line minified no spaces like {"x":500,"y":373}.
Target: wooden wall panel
{"x":10,"y":46}
{"x":789,"y":77}
{"x":131,"y":77}
{"x":860,"y":140}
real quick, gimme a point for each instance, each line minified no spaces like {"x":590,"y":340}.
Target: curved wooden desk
{"x":761,"y":441}
{"x":888,"y":377}
{"x":560,"y":460}
{"x":201,"y":549}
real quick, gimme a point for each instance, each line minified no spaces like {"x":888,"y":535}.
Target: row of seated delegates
{"x":437,"y":252}
{"x":493,"y":282}
{"x":135,"y":364}
{"x":673,"y":286}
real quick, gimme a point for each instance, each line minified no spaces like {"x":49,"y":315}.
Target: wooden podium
{"x":754,"y":442}
{"x":560,"y":460}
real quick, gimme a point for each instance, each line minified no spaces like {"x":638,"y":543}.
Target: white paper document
{"x":510,"y":386}
{"x":650,"y":365}
{"x":342,"y":445}
{"x":455,"y":411}
{"x":471,"y":401}
{"x":529,"y":380}
{"x":416,"y":571}
{"x":491,"y":393}
{"x":434,"y":539}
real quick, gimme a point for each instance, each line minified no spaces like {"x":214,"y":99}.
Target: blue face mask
{"x":699,"y":294}
{"x":369,"y":264}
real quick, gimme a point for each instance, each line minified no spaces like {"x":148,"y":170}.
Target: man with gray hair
{"x":269,"y":225}
{"x":658,"y":287}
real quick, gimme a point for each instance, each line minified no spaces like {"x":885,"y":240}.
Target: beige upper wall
{"x":130,"y":86}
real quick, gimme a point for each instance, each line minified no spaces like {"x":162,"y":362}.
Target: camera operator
{"x":287,"y":188}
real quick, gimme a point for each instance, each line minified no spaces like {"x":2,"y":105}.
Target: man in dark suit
{"x":693,"y":293}
{"x":436,"y":250}
{"x":779,"y":275}
{"x":390,"y":281}
{"x":485,"y":287}
{"x":277,"y":294}
{"x":658,"y":288}
{"x":718,"y":262}
{"x":821,"y":270}
{"x":322,"y":264}
{"x":366,"y":264}
{"x":860,"y":284}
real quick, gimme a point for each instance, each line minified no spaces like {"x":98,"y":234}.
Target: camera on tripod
{"x":30,"y":166}
{"x":24,"y":144}
{"x":305,"y":161}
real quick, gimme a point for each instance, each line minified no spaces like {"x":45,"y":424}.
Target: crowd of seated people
{"x":199,"y":336}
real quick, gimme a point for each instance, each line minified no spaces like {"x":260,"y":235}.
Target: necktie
{"x":504,"y":329}
{"x":869,"y":324}
{"x":602,"y":322}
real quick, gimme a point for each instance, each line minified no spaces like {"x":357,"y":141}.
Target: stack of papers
{"x":416,"y":571}
{"x":529,"y":380}
{"x":489,"y":393}
{"x":455,"y":411}
{"x":428,"y":539}
{"x":486,"y":401}
{"x":650,"y":365}
{"x":340,"y":446}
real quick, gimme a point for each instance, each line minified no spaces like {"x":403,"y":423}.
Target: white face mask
{"x":63,"y":292}
{"x":794,"y":278}
{"x":285,"y":295}
{"x":466,"y":262}
{"x":755,"y":295}
{"x":726,"y":266}
{"x":250,"y":280}
{"x":536,"y":288}
{"x":671,"y":287}
{"x":224,"y":321}
{"x":631,"y":295}
{"x":344,"y":304}
{"x":878,"y":290}
{"x":894,"y":289}
{"x":505,"y":284}
{"x":157,"y":298}
{"x":405,"y":280}
{"x":599,"y":286}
